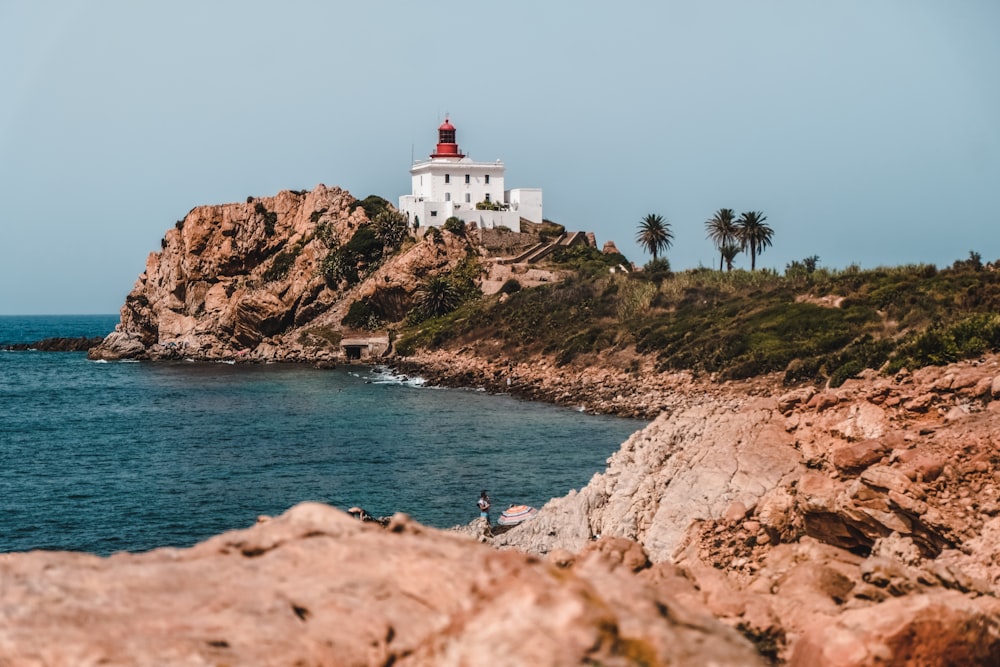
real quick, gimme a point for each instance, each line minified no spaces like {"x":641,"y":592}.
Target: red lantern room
{"x":446,"y":141}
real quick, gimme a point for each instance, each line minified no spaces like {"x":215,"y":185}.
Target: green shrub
{"x":938,"y":345}
{"x":510,"y":286}
{"x":587,"y":341}
{"x":845,"y":372}
{"x":270,"y":218}
{"x":280,"y":266}
{"x":634,"y":298}
{"x":455,"y":226}
{"x":437,"y":296}
{"x":390,"y":228}
{"x":365,"y":245}
{"x":973,"y":263}
{"x":325,"y":233}
{"x":465,"y":276}
{"x":338,"y":265}
{"x":801,"y":370}
{"x":585,"y":259}
{"x":373,"y":205}
{"x":657,"y":269}
{"x":362,"y":315}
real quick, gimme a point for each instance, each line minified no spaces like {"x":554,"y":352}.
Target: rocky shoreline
{"x":596,"y":389}
{"x":58,"y":344}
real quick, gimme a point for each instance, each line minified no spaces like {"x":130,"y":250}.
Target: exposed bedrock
{"x":317,"y":587}
{"x":847,"y":527}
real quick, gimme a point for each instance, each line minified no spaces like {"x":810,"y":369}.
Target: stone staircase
{"x":542,"y":250}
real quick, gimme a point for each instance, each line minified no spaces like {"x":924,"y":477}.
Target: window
{"x":466,"y":179}
{"x":487,"y":179}
{"x":487,"y":198}
{"x":468,"y":198}
{"x":447,"y":178}
{"x":434,"y":214}
{"x":447,"y":196}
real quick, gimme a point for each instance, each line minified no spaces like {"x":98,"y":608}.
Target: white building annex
{"x":451,"y":184}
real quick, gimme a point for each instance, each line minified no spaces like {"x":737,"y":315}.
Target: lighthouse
{"x":451,"y":184}
{"x":447,"y":148}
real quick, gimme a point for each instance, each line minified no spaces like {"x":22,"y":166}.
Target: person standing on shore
{"x":484,"y":505}
{"x":484,"y":511}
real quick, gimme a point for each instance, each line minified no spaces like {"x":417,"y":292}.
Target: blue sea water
{"x":104,"y":457}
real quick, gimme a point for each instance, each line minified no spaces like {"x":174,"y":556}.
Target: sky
{"x":868,"y":132}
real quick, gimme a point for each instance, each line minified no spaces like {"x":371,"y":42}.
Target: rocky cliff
{"x":847,"y":527}
{"x":245,"y":281}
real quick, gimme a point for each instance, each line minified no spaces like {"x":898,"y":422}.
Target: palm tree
{"x":721,"y":229}
{"x":437,"y":296}
{"x":655,"y":235}
{"x":729,"y":252}
{"x":754,"y":234}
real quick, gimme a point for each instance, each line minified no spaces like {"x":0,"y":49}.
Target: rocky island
{"x":761,"y":518}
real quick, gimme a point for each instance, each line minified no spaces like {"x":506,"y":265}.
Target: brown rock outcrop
{"x":316,"y":587}
{"x":60,"y":344}
{"x":243,"y":282}
{"x":799,"y":518}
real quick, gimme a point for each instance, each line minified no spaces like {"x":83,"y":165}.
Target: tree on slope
{"x":655,"y":234}
{"x":437,"y":296}
{"x":729,"y":252}
{"x":721,"y":229}
{"x":753,"y":234}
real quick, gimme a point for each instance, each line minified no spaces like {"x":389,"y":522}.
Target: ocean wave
{"x":384,"y":375}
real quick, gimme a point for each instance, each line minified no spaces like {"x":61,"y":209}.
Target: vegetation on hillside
{"x":369,"y":246}
{"x":811,"y":324}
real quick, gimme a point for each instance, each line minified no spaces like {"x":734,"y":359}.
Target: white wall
{"x":433,"y":200}
{"x":428,"y":180}
{"x":526,"y":201}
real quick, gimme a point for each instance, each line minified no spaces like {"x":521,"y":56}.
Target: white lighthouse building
{"x":451,"y":184}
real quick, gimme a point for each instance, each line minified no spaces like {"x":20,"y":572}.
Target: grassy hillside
{"x":817,"y":325}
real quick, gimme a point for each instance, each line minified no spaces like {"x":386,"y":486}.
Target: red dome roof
{"x":446,"y":147}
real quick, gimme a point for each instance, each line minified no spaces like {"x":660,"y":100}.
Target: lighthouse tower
{"x":451,"y":184}
{"x":447,"y":148}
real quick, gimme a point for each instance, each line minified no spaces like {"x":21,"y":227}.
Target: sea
{"x":103,"y":457}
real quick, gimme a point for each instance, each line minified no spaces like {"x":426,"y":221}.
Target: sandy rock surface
{"x":317,"y":587}
{"x":864,"y":516}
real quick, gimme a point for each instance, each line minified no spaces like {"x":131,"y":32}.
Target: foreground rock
{"x":316,"y":587}
{"x":848,"y":527}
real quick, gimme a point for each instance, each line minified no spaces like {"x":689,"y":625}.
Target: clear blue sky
{"x":867,"y":132}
